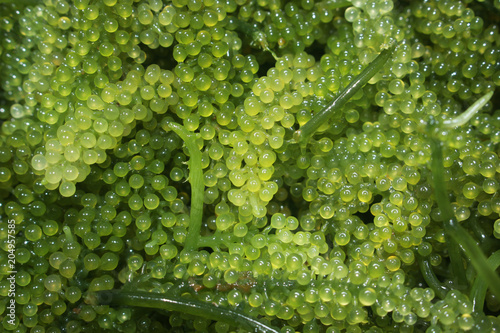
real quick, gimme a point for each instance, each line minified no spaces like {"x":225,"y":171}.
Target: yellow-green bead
{"x":151,"y":201}
{"x":396,"y":87}
{"x":72,"y":153}
{"x":90,"y":156}
{"x":39,"y":162}
{"x":67,"y":189}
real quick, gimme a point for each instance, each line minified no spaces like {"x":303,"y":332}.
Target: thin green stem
{"x":478,"y":259}
{"x":469,"y":113}
{"x":67,"y":233}
{"x":184,"y":305}
{"x":216,"y":240}
{"x":456,"y":233}
{"x":430,"y":277}
{"x":336,"y":4}
{"x":444,"y":205}
{"x":486,"y":243}
{"x":197,"y":185}
{"x":478,"y":291}
{"x":345,"y":95}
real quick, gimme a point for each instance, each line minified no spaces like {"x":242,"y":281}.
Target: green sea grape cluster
{"x":155,"y":147}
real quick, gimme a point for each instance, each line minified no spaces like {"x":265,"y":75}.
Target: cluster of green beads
{"x":327,"y":236}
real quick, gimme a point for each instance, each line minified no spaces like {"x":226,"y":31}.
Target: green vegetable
{"x":231,"y":165}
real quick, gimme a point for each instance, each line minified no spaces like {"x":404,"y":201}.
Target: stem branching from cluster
{"x":197,"y":185}
{"x":184,"y":305}
{"x":306,"y":131}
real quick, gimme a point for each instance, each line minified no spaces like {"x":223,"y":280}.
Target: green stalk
{"x":430,"y":277}
{"x":184,"y":305}
{"x":345,"y":95}
{"x":336,"y":4}
{"x":469,"y":113}
{"x":197,"y":185}
{"x":478,"y":291}
{"x":478,"y":259}
{"x":68,"y":234}
{"x":456,"y":233}
{"x":486,"y":243}
{"x":216,"y":240}
{"x":441,"y":195}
